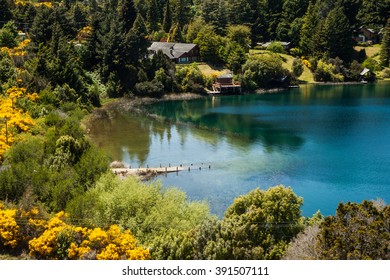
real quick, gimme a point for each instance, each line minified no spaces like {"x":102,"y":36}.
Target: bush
{"x":372,"y":64}
{"x":262,"y":71}
{"x":386,"y":73}
{"x":153,"y":88}
{"x":276,"y":47}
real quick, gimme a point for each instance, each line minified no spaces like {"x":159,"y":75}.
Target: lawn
{"x":306,"y":77}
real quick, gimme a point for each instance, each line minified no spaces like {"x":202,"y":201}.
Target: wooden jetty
{"x":148,"y":172}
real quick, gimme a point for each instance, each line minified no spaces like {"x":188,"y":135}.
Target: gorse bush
{"x":56,"y":239}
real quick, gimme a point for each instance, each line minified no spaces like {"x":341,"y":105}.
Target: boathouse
{"x":178,"y":52}
{"x":225,"y":84}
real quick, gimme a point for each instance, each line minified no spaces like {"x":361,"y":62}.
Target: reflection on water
{"x":329,"y":143}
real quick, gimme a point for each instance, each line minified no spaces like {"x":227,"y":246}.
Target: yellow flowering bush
{"x":45,"y":246}
{"x":56,"y":239}
{"x":13,"y":120}
{"x":306,"y":62}
{"x":9,"y":229}
{"x":110,"y":244}
{"x":19,"y":50}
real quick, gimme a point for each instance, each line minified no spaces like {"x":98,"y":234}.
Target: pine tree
{"x":127,"y":15}
{"x":310,"y":22}
{"x":335,"y":35}
{"x":385,"y":49}
{"x":152,"y":16}
{"x":5,"y":12}
{"x":167,"y":22}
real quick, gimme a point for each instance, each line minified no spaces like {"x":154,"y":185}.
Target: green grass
{"x":306,"y":77}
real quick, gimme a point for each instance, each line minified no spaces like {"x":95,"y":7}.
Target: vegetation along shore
{"x":60,"y":61}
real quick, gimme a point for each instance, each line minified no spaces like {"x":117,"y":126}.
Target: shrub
{"x":276,"y":47}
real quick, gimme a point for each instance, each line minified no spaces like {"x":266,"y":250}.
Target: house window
{"x":183,"y":59}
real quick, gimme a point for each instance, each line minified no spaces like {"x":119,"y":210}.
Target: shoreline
{"x":134,"y":104}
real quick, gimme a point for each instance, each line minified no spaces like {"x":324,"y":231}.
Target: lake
{"x":329,"y":143}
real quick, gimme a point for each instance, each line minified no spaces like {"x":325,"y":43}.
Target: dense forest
{"x":61,"y":59}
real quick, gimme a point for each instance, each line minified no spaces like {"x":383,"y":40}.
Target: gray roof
{"x":172,"y":50}
{"x":265,"y":45}
{"x":365,"y":71}
{"x":225,"y":76}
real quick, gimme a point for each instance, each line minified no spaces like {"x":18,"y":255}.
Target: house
{"x":178,"y":52}
{"x":286,"y":45}
{"x":225,"y":84}
{"x":366,"y":35}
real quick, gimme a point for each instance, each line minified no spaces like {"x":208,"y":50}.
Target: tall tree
{"x":309,"y":25}
{"x":5,"y":12}
{"x":167,"y":21}
{"x":182,"y":14}
{"x":336,"y":35}
{"x":385,"y":48}
{"x":152,"y":16}
{"x":374,"y":14}
{"x":127,"y":15}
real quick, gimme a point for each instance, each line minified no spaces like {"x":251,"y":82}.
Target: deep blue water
{"x":330,"y":144}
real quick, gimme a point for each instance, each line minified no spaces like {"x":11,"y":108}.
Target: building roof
{"x":172,"y":50}
{"x":364,"y":72}
{"x":265,"y":45}
{"x":225,"y":76}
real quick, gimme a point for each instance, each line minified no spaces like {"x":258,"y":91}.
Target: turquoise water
{"x":330,"y":144}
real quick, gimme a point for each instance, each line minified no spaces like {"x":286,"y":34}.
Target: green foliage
{"x":8,"y":35}
{"x":209,"y":44}
{"x":5,"y":12}
{"x":276,"y":47}
{"x":190,"y":78}
{"x":240,"y":34}
{"x":167,"y":20}
{"x":357,"y":231}
{"x":153,"y":88}
{"x":297,"y":67}
{"x":371,"y":64}
{"x":327,"y":72}
{"x":149,"y":211}
{"x":258,"y":225}
{"x":235,"y":57}
{"x":7,"y":68}
{"x":385,"y":47}
{"x":262,"y":71}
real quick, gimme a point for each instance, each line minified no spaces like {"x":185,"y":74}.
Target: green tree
{"x":182,"y":12}
{"x":8,"y":35}
{"x":214,"y":13}
{"x":167,"y":20}
{"x":336,"y":35}
{"x":385,"y":47}
{"x":5,"y":12}
{"x":152,"y":16}
{"x":374,"y":14}
{"x":127,"y":15}
{"x":297,"y":67}
{"x":208,"y":42}
{"x":235,"y":57}
{"x":357,"y":231}
{"x":258,"y":225}
{"x":41,"y":29}
{"x":261,"y":71}
{"x":240,"y":34}
{"x":309,"y":26}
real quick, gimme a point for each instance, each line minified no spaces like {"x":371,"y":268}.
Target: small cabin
{"x":366,"y":35}
{"x":225,"y":84}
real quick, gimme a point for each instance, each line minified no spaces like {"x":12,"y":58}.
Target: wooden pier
{"x":149,"y":172}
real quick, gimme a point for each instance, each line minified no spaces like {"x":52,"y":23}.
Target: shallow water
{"x":331,"y":144}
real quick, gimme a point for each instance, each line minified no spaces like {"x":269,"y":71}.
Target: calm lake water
{"x":330,"y":144}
